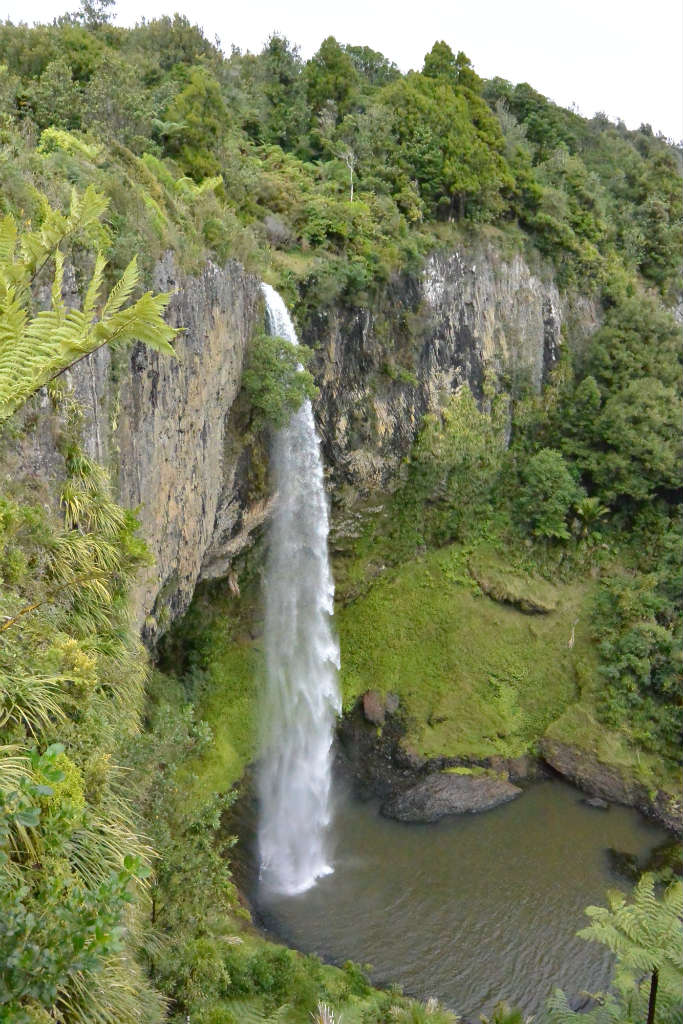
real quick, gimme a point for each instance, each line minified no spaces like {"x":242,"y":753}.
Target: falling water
{"x":301,"y":696}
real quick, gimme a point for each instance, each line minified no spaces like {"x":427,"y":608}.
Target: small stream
{"x":472,"y":909}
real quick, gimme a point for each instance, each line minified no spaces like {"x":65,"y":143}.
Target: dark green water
{"x":472,"y":909}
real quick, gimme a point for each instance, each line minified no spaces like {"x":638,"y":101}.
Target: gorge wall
{"x":164,"y":429}
{"x":474,"y":316}
{"x":173,"y":435}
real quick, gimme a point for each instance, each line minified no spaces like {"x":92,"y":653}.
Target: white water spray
{"x":302,"y":656}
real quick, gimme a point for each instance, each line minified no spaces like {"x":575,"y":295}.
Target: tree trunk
{"x":653,"y":997}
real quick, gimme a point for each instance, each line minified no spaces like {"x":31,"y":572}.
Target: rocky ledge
{"x":375,"y":754}
{"x":442,"y":793}
{"x":411,"y":787}
{"x":586,"y":771}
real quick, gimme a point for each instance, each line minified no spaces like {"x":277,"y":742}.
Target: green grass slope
{"x":476,"y":676}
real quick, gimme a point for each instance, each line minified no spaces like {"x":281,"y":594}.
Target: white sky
{"x":624,"y":57}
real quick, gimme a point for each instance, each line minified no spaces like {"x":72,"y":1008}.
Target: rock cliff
{"x":473,"y":316}
{"x":164,"y":427}
{"x":170,"y":429}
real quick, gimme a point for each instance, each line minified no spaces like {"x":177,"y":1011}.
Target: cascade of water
{"x":301,"y":695}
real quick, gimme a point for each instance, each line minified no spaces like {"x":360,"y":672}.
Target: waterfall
{"x":301,"y":696}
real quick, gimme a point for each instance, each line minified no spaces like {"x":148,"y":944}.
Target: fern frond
{"x":56,"y":290}
{"x":140,"y":322}
{"x":13,"y":320}
{"x":94,"y":287}
{"x":82,"y":220}
{"x":33,"y":350}
{"x":246,"y":1013}
{"x":209,"y":184}
{"x":8,"y":239}
{"x":122,"y":290}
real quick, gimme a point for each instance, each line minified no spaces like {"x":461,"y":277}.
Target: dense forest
{"x":329,"y":177}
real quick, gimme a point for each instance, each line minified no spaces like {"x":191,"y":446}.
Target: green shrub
{"x":275,"y":380}
{"x":547,"y":494}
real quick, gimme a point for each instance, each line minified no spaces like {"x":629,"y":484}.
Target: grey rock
{"x":524,"y":768}
{"x":163,"y":427}
{"x":391,"y":703}
{"x":381,"y":369}
{"x":597,"y":802}
{"x":445,"y":793}
{"x":612,"y":783}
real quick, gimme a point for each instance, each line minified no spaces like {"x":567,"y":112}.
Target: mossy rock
{"x":531,"y":595}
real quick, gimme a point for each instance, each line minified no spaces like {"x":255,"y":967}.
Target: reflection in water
{"x":473,"y":909}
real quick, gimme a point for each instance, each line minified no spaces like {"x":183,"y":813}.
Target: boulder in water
{"x":597,"y":802}
{"x":443,"y":793}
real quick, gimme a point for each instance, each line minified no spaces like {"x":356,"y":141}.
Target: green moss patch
{"x":528,"y":593}
{"x":475,"y":677}
{"x":228,"y":706}
{"x":222,"y":671}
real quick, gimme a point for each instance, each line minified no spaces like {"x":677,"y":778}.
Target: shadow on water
{"x":471,"y":910}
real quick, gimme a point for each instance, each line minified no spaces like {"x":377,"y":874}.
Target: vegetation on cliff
{"x":332,"y":172}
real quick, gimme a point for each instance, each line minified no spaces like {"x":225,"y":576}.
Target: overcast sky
{"x":623,"y":57}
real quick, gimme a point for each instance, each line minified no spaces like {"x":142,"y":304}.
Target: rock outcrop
{"x":443,"y":793}
{"x":165,"y":428}
{"x":374,"y":754}
{"x":473,"y":316}
{"x":608,"y":782}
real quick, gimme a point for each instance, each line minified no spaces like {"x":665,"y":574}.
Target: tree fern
{"x":242,"y":1012}
{"x":645,"y":936}
{"x":34,"y":348}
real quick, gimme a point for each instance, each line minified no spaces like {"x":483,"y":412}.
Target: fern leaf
{"x":33,"y":350}
{"x":122,"y":290}
{"x":94,"y":287}
{"x":8,"y":239}
{"x":209,"y":184}
{"x":56,"y":291}
{"x":141,"y":322}
{"x":246,"y":1013}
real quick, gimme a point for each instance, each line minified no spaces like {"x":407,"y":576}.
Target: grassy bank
{"x":476,"y":676}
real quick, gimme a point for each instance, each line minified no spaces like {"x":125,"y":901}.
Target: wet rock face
{"x":177,"y":462}
{"x":441,"y":793}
